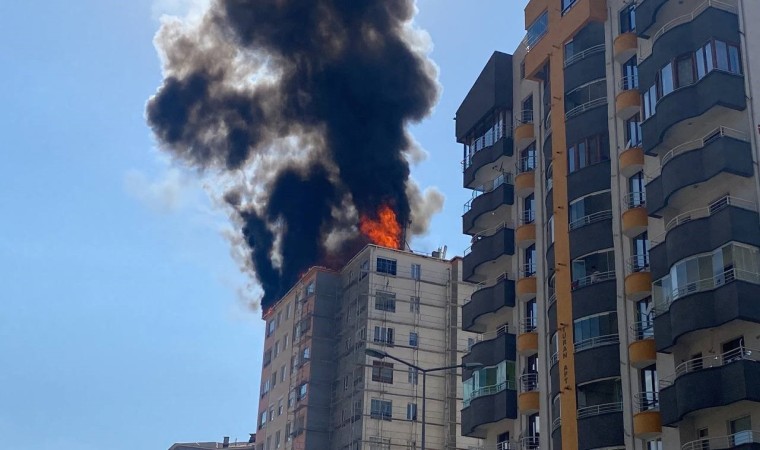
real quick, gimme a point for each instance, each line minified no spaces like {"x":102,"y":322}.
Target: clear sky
{"x":120,"y":322}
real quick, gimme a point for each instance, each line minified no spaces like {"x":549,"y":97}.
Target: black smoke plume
{"x":309,"y":99}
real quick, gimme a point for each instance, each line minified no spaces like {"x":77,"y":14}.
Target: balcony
{"x":527,"y":340}
{"x":717,"y":89}
{"x":710,"y":382}
{"x":478,"y":168}
{"x":594,"y":294}
{"x":596,"y":362}
{"x":631,"y":159}
{"x":584,"y":66}
{"x":702,"y":230}
{"x":524,"y":129}
{"x":600,"y":426}
{"x":743,"y":440}
{"x":707,"y":304}
{"x":489,"y":304}
{"x":624,"y":47}
{"x":635,"y":218}
{"x":526,"y":176}
{"x":486,"y":258}
{"x":493,"y":347}
{"x":526,"y":285}
{"x":638,"y":279}
{"x":641,"y":349}
{"x":528,"y":398}
{"x":525,"y":234}
{"x":489,"y":205}
{"x":590,"y":233}
{"x":722,"y":151}
{"x":628,"y":100}
{"x":647,"y":421}
{"x":493,"y":404}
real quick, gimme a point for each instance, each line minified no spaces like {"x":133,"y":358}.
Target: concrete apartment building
{"x":226,"y":444}
{"x":332,"y":395}
{"x":613,"y":161}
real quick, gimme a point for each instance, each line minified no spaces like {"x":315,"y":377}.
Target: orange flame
{"x":384,"y":231}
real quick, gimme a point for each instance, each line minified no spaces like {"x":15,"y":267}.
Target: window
{"x":386,"y":266}
{"x":549,"y":177}
{"x":741,"y":431}
{"x":262,"y":420}
{"x":633,"y":132}
{"x":385,"y":301}
{"x":593,"y":268}
{"x":381,"y":409}
{"x":381,"y":372}
{"x":628,"y":19}
{"x":587,"y":152}
{"x":413,"y":339}
{"x":640,"y":252}
{"x":589,"y":331}
{"x":302,"y":391}
{"x":637,"y":190}
{"x":416,"y":271}
{"x":412,"y":375}
{"x":310,"y":288}
{"x":364,"y":270}
{"x":267,"y":357}
{"x":685,"y":75}
{"x":522,"y":70}
{"x":277,"y":439}
{"x":644,"y":319}
{"x":287,"y":311}
{"x":585,"y":97}
{"x":489,"y":380}
{"x":600,"y":393}
{"x":411,"y":411}
{"x":384,"y":335}
{"x":589,"y":209}
{"x":527,"y":158}
{"x":630,"y":74}
{"x":566,"y":5}
{"x":414,"y":304}
{"x":276,"y":349}
{"x":531,"y":316}
{"x":569,"y":49}
{"x":270,"y":327}
{"x":529,"y":209}
{"x":306,"y":354}
{"x":378,"y":443}
{"x":537,"y":30}
{"x":529,"y":254}
{"x":550,"y":230}
{"x":283,"y":371}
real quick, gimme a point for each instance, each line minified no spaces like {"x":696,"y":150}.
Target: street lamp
{"x":379,"y":354}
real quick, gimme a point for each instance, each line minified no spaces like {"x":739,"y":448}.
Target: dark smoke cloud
{"x":341,"y":79}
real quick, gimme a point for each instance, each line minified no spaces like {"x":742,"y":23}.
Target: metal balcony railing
{"x":536,"y":31}
{"x":724,"y":442}
{"x":641,"y":330}
{"x":554,"y":359}
{"x":646,"y":401}
{"x":524,"y":117}
{"x":487,"y":140}
{"x":530,"y":443}
{"x":486,"y":234}
{"x":594,"y":278}
{"x":526,"y":164}
{"x":692,"y":15}
{"x":527,"y":216}
{"x":575,"y":57}
{"x":509,"y":445}
{"x":591,"y":104}
{"x":635,"y":199}
{"x":556,"y":423}
{"x":700,"y":213}
{"x":528,"y":324}
{"x":590,"y":411}
{"x":529,"y":382}
{"x":591,"y":218}
{"x":528,"y":270}
{"x":493,"y":334}
{"x":552,"y":298}
{"x":628,"y":82}
{"x":637,"y":263}
{"x":596,"y":341}
{"x":706,"y":362}
{"x":663,"y":304}
{"x":490,"y":186}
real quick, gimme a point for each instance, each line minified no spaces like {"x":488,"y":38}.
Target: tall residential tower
{"x":614,"y":167}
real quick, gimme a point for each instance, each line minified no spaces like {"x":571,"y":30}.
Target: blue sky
{"x":121,"y":320}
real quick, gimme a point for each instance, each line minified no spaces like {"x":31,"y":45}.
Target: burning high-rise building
{"x":302,"y":107}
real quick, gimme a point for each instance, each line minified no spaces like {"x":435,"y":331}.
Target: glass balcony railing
{"x":536,"y":31}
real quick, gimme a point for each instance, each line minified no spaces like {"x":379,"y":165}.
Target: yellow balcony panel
{"x":647,"y":424}
{"x":635,"y":221}
{"x":638,"y":285}
{"x":526,"y":288}
{"x":628,"y":103}
{"x":642,"y":353}
{"x":625,"y":46}
{"x":527,"y":343}
{"x":534,"y":9}
{"x":631,"y":161}
{"x":528,"y":402}
{"x":525,"y":183}
{"x":525,"y":235}
{"x":524,"y":131}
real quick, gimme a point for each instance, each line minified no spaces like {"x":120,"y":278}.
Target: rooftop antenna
{"x":443,"y":253}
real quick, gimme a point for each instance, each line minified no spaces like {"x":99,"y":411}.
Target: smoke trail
{"x":338,"y":79}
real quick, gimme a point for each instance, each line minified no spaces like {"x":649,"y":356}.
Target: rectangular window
{"x":413,"y":339}
{"x":633,"y":132}
{"x":412,"y":376}
{"x":416,"y":271}
{"x":414,"y":305}
{"x":381,"y":409}
{"x":734,"y":59}
{"x":385,"y":301}
{"x":700,"y":63}
{"x":381,"y":372}
{"x":384,"y":335}
{"x":666,"y":80}
{"x":411,"y":411}
{"x":270,"y":327}
{"x":386,"y":266}
{"x":685,"y":71}
{"x":628,"y":19}
{"x":364,"y":270}
{"x":267,"y":357}
{"x":721,"y":55}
